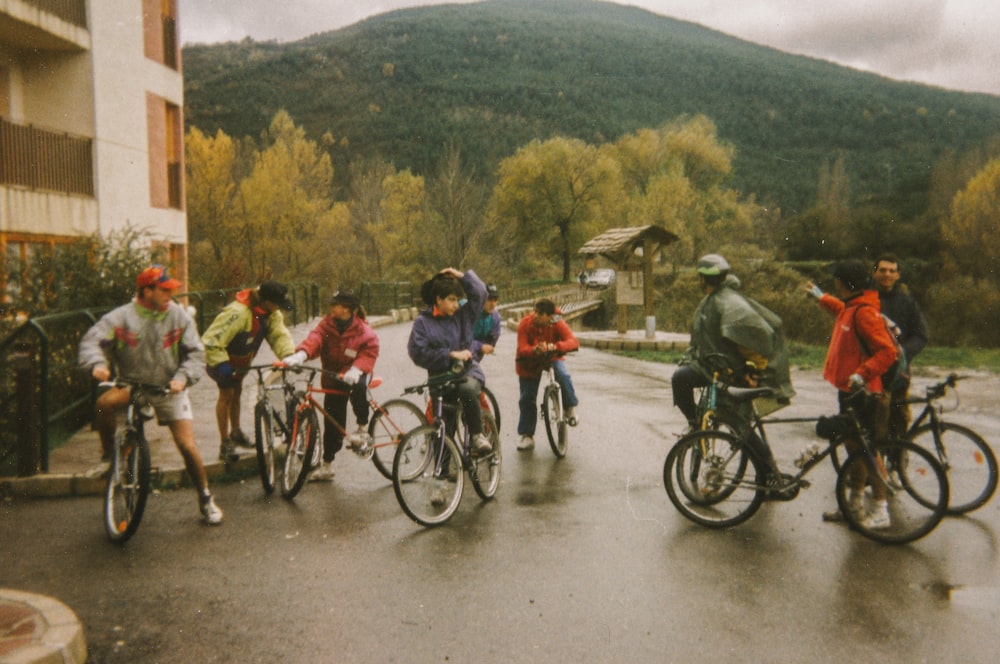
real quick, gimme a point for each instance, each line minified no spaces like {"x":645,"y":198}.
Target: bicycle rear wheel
{"x":426,"y":478}
{"x":127,"y":487}
{"x":706,"y":477}
{"x":485,"y":471}
{"x":390,"y":422}
{"x":299,"y":458}
{"x":264,"y":440}
{"x":555,"y":424}
{"x":917,"y":501}
{"x":968,"y":461}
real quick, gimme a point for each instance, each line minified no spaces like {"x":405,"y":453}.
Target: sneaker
{"x":482,"y":444}
{"x":437,"y":496}
{"x":322,"y":473}
{"x":878,"y":518}
{"x":211,"y":511}
{"x":527,"y":443}
{"x":227,"y":451}
{"x":856,"y":503}
{"x":571,"y":416}
{"x":239,"y":439}
{"x":360,"y":439}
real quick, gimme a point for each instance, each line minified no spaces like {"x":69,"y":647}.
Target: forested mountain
{"x":489,"y":77}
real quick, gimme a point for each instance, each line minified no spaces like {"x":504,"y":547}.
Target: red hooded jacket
{"x":858,"y":316}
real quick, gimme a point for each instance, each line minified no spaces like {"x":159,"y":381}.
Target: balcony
{"x":45,"y":160}
{"x":45,"y":24}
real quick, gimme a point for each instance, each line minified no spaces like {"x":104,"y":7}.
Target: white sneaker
{"x":211,"y":511}
{"x":527,"y":443}
{"x":482,"y":444}
{"x":322,"y":473}
{"x":571,"y":417}
{"x":878,"y":518}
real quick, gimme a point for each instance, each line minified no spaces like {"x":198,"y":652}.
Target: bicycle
{"x":551,"y":409}
{"x":966,"y":457}
{"x":129,"y":475}
{"x":427,"y":471}
{"x":272,"y":424}
{"x":390,"y":421}
{"x":718,"y":478}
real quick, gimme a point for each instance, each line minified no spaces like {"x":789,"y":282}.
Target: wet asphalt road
{"x":582,"y":559}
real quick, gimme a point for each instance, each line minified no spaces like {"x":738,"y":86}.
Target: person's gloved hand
{"x":225,"y":369}
{"x":856,"y":382}
{"x":352,"y":375}
{"x":812,"y":290}
{"x":295,"y":359}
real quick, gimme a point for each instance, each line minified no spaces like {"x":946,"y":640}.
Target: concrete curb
{"x":38,"y":629}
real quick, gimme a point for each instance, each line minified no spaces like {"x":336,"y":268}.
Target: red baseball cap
{"x":156,"y":275}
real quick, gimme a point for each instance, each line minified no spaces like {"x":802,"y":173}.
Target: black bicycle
{"x":966,"y":457}
{"x":719,"y":478}
{"x":431,"y":460}
{"x":129,"y":473}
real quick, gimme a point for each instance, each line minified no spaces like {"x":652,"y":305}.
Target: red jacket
{"x":859,"y":315}
{"x":529,"y":335}
{"x":357,"y":347}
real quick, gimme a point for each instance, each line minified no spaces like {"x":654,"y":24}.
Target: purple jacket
{"x":432,"y":338}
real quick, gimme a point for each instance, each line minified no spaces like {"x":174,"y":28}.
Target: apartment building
{"x":91,"y":126}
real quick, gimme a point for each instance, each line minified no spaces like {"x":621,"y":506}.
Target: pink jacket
{"x":357,"y":346}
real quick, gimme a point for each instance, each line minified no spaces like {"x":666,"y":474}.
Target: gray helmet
{"x":712,"y":265}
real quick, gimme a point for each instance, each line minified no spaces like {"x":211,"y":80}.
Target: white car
{"x":600,"y":278}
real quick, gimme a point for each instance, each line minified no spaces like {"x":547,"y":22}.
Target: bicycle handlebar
{"x":158,"y":390}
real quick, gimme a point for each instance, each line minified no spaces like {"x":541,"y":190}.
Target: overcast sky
{"x":949,"y":43}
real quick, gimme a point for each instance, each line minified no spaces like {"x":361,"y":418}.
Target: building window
{"x":159,"y":18}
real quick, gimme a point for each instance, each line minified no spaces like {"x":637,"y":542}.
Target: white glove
{"x":855,"y":382}
{"x":814,"y":291}
{"x":352,"y":375}
{"x":295,"y":359}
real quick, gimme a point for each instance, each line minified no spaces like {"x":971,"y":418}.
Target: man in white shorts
{"x":151,"y":341}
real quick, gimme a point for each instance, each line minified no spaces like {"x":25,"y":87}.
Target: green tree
{"x":971,"y":245}
{"x":556,"y":194}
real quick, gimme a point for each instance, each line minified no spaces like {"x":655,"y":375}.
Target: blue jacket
{"x":432,"y":338}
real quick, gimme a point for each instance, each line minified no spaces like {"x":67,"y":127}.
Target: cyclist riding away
{"x":746,"y":333}
{"x":151,"y":341}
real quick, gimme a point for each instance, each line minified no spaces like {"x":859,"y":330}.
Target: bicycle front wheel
{"x":299,"y":458}
{"x":555,"y":424}
{"x":390,"y":422}
{"x":494,"y":406}
{"x":968,"y":461}
{"x":707,"y":479}
{"x":916,"y":485}
{"x":264,"y":440}
{"x":485,"y":471}
{"x":427,"y":476}
{"x":127,"y":487}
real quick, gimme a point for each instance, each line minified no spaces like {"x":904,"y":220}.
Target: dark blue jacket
{"x":432,"y":338}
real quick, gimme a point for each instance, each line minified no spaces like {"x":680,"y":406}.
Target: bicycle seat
{"x":741,"y":394}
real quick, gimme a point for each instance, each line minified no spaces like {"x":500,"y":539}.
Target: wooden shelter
{"x":625,"y":247}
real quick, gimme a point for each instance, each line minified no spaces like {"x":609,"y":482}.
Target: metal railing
{"x":71,"y":11}
{"x":45,"y":397}
{"x":39,"y":159}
